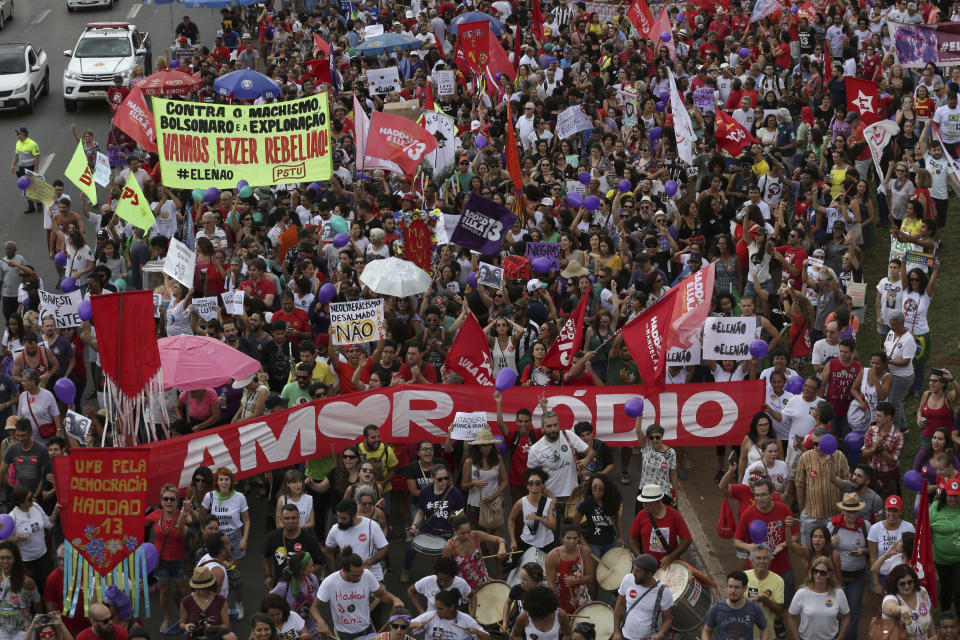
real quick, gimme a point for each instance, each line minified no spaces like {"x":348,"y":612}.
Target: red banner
{"x":516,"y":267}
{"x":417,"y":243}
{"x":135,"y":339}
{"x":691,"y":307}
{"x":921,"y":557}
{"x":560,"y":355}
{"x":691,"y":414}
{"x":512,"y":153}
{"x":732,"y":136}
{"x":646,"y":339}
{"x":136,"y":120}
{"x":472,"y":53}
{"x":469,"y":355}
{"x":103,"y":495}
{"x":396,"y":139}
{"x":640,"y":16}
{"x":863,"y":98}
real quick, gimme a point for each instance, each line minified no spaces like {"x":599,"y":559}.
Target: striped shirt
{"x":813,"y":475}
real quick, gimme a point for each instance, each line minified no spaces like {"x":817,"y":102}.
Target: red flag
{"x":640,"y":16}
{"x":646,"y":339}
{"x":731,"y":136}
{"x":537,"y":21}
{"x":320,"y":67}
{"x":136,"y":120}
{"x":560,"y":355}
{"x":922,"y":558}
{"x":863,"y":97}
{"x":469,"y":355}
{"x":319,"y":44}
{"x":513,"y":154}
{"x":428,"y":97}
{"x":660,"y":26}
{"x":396,"y":139}
{"x":471,"y":56}
{"x":517,"y":50}
{"x":498,"y":64}
{"x":691,"y":307}
{"x":129,"y":357}
{"x":827,"y":64}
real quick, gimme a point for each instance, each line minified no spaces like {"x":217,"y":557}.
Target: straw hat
{"x":202,"y":579}
{"x":484,"y":436}
{"x":574,"y":270}
{"x":851,"y":502}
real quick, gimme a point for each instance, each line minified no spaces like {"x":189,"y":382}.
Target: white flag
{"x":878,"y":136}
{"x":682,"y":126}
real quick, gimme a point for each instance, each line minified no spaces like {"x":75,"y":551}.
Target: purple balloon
{"x":661,"y":106}
{"x":794,"y":10}
{"x":758,"y":531}
{"x":326,"y":293}
{"x":362,"y":176}
{"x":480,"y":141}
{"x":23,"y":182}
{"x":315,"y":186}
{"x":671,"y":186}
{"x":655,"y":134}
{"x":592,"y":203}
{"x":828,"y":443}
{"x":913,"y":479}
{"x":174,"y":64}
{"x":853,"y":442}
{"x":7,"y":525}
{"x":61,"y":259}
{"x":759,"y":349}
{"x":85,"y":310}
{"x":506,"y":378}
{"x":574,"y":199}
{"x":625,"y":185}
{"x":665,"y":36}
{"x":681,"y":18}
{"x":794,"y":385}
{"x":66,"y":391}
{"x":584,"y":178}
{"x":744,"y":53}
{"x":502,"y":446}
{"x":633,"y":407}
{"x":242,"y":184}
{"x":68,"y":284}
{"x":211,"y":195}
{"x":472,"y":280}
{"x":341,"y":240}
{"x":542,"y":264}
{"x":151,"y":555}
{"x":664,"y":95}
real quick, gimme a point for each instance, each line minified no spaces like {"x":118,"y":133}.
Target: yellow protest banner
{"x":80,"y":174}
{"x":134,"y":207}
{"x":212,"y":145}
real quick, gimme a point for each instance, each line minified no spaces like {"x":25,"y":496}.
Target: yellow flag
{"x":80,"y":174}
{"x":133,"y":206}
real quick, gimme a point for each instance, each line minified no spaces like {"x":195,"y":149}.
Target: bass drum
{"x":578,"y":494}
{"x":692,"y":599}
{"x":492,"y":597}
{"x":532,"y":554}
{"x":600,"y":615}
{"x":613,"y":566}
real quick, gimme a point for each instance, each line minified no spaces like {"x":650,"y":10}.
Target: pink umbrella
{"x":198,"y":362}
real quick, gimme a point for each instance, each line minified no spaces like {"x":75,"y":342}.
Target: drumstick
{"x":573,"y":615}
{"x":599,"y":561}
{"x":496,"y":555}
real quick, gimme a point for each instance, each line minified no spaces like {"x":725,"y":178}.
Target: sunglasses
{"x":655,"y":438}
{"x":442,"y":478}
{"x":349,"y":457}
{"x":366,"y":470}
{"x":820,"y":572}
{"x":169,"y":498}
{"x":534,"y":483}
{"x":905,"y":583}
{"x":399,"y":626}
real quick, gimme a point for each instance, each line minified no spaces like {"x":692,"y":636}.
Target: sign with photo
{"x":490,"y":276}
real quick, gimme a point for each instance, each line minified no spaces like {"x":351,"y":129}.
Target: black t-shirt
{"x":602,"y":460}
{"x":415,"y":473}
{"x":277,"y":362}
{"x":600,"y":528}
{"x":278,"y":547}
{"x":808,"y":39}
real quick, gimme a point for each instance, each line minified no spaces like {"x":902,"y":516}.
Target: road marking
{"x":134,"y":10}
{"x":40,"y":18}
{"x":45,"y":163}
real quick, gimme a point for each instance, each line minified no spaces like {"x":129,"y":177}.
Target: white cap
{"x":535,"y":284}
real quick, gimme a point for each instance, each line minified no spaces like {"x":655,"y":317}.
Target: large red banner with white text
{"x":691,"y":414}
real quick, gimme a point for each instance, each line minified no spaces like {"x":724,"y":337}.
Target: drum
{"x":600,"y":614}
{"x":578,"y":494}
{"x":492,"y":597}
{"x":614,"y":564}
{"x":532,"y":554}
{"x":692,"y":599}
{"x":428,"y":545}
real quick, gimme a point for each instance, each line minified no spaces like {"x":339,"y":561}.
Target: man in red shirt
{"x":298,"y":323}
{"x":221,"y":54}
{"x":415,"y":369}
{"x":345,"y":369}
{"x":774,"y":514}
{"x":791,"y":257}
{"x":117,"y":94}
{"x":669,"y":539}
{"x":53,"y":597}
{"x":837,"y":381}
{"x":256,"y":285}
{"x":101,"y":625}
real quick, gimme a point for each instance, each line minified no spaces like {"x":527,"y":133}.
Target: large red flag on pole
{"x":513,"y":153}
{"x":691,"y":307}
{"x":560,"y":355}
{"x":640,"y":16}
{"x":537,"y":25}
{"x":646,"y":339}
{"x":922,"y":557}
{"x":469,"y":355}
{"x":863,"y":97}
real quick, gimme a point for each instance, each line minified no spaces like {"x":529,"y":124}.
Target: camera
{"x":44,"y":619}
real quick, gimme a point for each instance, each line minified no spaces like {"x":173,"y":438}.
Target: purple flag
{"x":482,"y":225}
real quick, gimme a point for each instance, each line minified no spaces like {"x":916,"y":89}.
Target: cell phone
{"x":733,"y":457}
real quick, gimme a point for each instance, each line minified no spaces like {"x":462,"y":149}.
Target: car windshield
{"x":12,"y":62}
{"x":103,"y":48}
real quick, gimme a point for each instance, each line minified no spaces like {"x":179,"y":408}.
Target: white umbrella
{"x":395,"y":277}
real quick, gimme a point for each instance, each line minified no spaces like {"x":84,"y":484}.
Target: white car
{"x":83,"y":4}
{"x":104,"y":50}
{"x":6,"y":12}
{"x":24,"y":76}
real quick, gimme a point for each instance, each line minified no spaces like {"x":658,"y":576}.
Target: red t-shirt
{"x":671,"y":526}
{"x":166,"y":537}
{"x":744,"y":497}
{"x":117,"y":96}
{"x":776,"y":532}
{"x":260,"y":290}
{"x":345,"y":373}
{"x":297,"y":320}
{"x":119,"y":633}
{"x":53,"y":593}
{"x":518,"y":460}
{"x":426,"y":369}
{"x":795,"y":257}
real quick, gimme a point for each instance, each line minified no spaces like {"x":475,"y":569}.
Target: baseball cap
{"x":535,"y":284}
{"x":646,"y":562}
{"x":22,"y":130}
{"x":953,"y":488}
{"x":851,"y":116}
{"x":546,"y":202}
{"x":896,"y":502}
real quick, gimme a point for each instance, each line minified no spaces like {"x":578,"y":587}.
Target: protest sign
{"x":383,"y":81}
{"x":680,"y":357}
{"x":207,"y":307}
{"x":217,"y":145}
{"x":692,"y":415}
{"x":550,"y":250}
{"x":913,"y":259}
{"x":858,"y":294}
{"x":516,"y":268}
{"x":62,"y":307}
{"x":466,"y":424}
{"x":483,"y":225}
{"x":575,"y":186}
{"x":917,"y":44}
{"x":101,"y":170}
{"x":729,"y":338}
{"x":157,"y":305}
{"x":703,"y":99}
{"x":372,"y":30}
{"x":77,"y":426}
{"x":409,"y":109}
{"x":630,"y":102}
{"x":180,"y":263}
{"x":233,"y":301}
{"x":446,"y":82}
{"x":572,"y":120}
{"x":40,"y":190}
{"x":490,"y":276}
{"x":359,"y":321}
{"x":102,"y":493}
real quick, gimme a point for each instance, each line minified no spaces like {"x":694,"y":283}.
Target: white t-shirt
{"x":639,"y":622}
{"x":304,"y":506}
{"x":949,"y":122}
{"x":558,"y":460}
{"x":886,"y":539}
{"x":898,"y":348}
{"x":818,"y":613}
{"x":778,"y":474}
{"x":291,"y":628}
{"x":366,"y":538}
{"x":797,"y":418}
{"x":31,"y":524}
{"x":349,"y":601}
{"x":778,"y":404}
{"x":227,"y":510}
{"x":440,"y":629}
{"x":889,"y":292}
{"x":40,"y":410}
{"x":939,"y":168}
{"x":428,"y":588}
{"x":914,"y":306}
{"x":79,"y":259}
{"x":166,"y":220}
{"x":823,"y":351}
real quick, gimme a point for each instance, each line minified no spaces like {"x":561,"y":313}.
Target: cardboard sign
{"x":180,"y":263}
{"x":551,"y":250}
{"x":575,"y":186}
{"x":677,"y":357}
{"x":77,"y":426}
{"x":490,"y":276}
{"x":572,"y":120}
{"x":703,"y":99}
{"x":233,"y":301}
{"x":356,"y":322}
{"x":729,"y":338}
{"x":383,"y":81}
{"x":466,"y":424}
{"x":409,"y":109}
{"x":62,"y":307}
{"x":206,"y":308}
{"x":40,"y":190}
{"x":446,"y":82}
{"x":858,"y":293}
{"x":516,"y":268}
{"x":101,"y":170}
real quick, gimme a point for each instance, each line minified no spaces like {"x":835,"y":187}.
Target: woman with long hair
{"x":31,"y":524}
{"x":599,"y":338}
{"x":289,"y":624}
{"x":484,"y":476}
{"x":230,"y":507}
{"x":18,"y":593}
{"x":944,"y":523}
{"x":447,"y":621}
{"x":338,"y":480}
{"x":292,"y":492}
{"x":298,"y":586}
{"x":875,"y":384}
{"x":751,"y":449}
{"x":821,"y":544}
{"x":503,"y":342}
{"x":770,"y":465}
{"x":800,"y":312}
{"x":52,"y":629}
{"x":532,"y":518}
{"x":915,"y":300}
{"x":204,"y":606}
{"x":600,"y":515}
{"x":569,"y":569}
{"x":263,"y":627}
{"x":819,"y":609}
{"x":534,"y":373}
{"x":940,"y":442}
{"x":169,"y":536}
{"x":465,"y":547}
{"x":177,"y":316}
